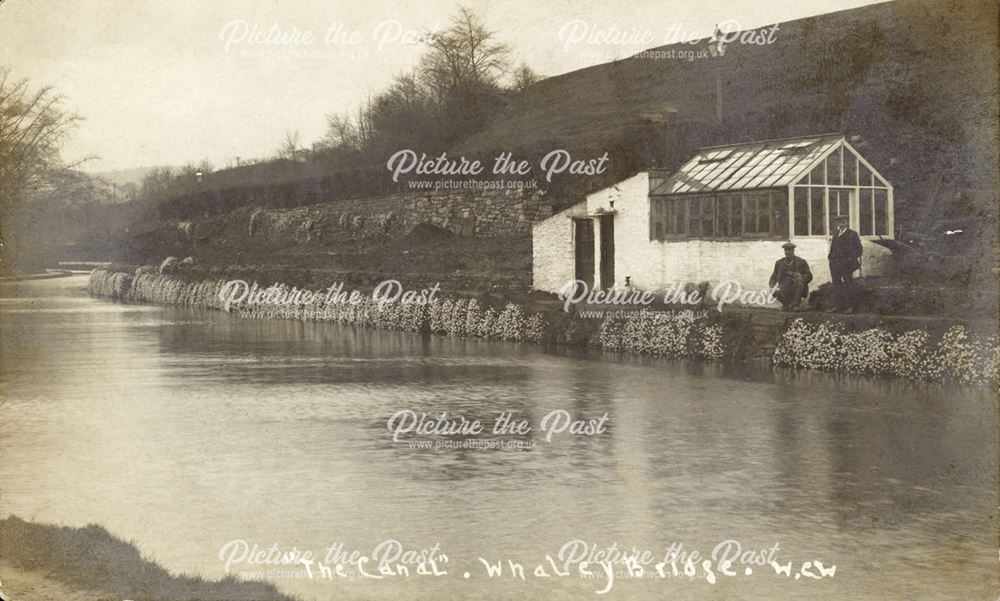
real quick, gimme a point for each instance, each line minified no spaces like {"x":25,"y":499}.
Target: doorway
{"x":607,"y":251}
{"x":584,"y":236}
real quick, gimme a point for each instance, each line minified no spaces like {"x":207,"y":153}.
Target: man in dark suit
{"x":791,"y":275}
{"x":845,"y":259}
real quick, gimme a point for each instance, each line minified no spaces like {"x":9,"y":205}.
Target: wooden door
{"x":607,"y":251}
{"x":584,"y":236}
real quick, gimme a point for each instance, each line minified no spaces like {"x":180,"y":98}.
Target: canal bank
{"x":46,"y":562}
{"x":917,"y":348}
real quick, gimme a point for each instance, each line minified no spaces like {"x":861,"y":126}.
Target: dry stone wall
{"x":482,"y":213}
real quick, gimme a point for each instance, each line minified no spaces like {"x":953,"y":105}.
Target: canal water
{"x":183,"y":430}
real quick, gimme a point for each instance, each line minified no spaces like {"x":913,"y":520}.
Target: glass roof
{"x":766,"y":164}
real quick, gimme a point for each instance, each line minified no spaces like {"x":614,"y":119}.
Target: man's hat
{"x":840,"y":218}
{"x":787,"y":245}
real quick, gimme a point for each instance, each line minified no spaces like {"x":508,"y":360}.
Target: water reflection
{"x":186,"y":429}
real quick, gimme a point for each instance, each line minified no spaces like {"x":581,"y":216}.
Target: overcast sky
{"x":158,"y":84}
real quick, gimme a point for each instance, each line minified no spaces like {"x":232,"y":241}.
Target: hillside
{"x":915,"y":79}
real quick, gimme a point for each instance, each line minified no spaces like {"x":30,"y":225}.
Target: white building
{"x":722,"y":216}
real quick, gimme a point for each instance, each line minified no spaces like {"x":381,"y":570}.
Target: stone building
{"x":722,"y":216}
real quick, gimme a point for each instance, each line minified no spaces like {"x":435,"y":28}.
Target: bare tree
{"x":341,"y":132}
{"x":71,"y":188}
{"x":453,"y":91}
{"x":347,"y":132}
{"x":364,"y":123}
{"x":156,"y":184}
{"x":488,"y":60}
{"x":465,"y":54}
{"x":33,"y":127}
{"x":290,"y":149}
{"x":524,"y":76}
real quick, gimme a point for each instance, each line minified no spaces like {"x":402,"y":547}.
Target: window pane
{"x":850,"y":169}
{"x":722,"y":212}
{"x":694,"y":217}
{"x":817,"y":227}
{"x":779,"y":213}
{"x":679,"y":206}
{"x":840,"y":201}
{"x":736,"y":215}
{"x":763,"y":213}
{"x":801,"y":211}
{"x":756,"y":214}
{"x":817,"y":177}
{"x":865,"y":227}
{"x":803,"y":181}
{"x":833,"y":168}
{"x":708,"y":217}
{"x":881,"y":212}
{"x":749,"y":214}
{"x":864,"y":175}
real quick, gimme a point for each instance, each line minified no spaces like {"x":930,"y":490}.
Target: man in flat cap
{"x":845,"y":259}
{"x":791,"y":277}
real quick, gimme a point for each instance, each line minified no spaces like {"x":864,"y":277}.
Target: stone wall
{"x":483,"y":213}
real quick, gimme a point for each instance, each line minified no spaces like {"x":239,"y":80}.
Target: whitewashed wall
{"x":552,"y":250}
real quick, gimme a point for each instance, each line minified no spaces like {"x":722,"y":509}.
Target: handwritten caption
{"x":576,"y":558}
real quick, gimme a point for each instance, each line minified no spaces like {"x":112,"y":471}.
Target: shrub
{"x":957,"y":356}
{"x":674,"y":334}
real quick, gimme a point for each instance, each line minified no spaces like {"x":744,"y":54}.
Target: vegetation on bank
{"x":817,"y":343}
{"x":956,"y":355}
{"x":92,"y":559}
{"x":667,"y":333}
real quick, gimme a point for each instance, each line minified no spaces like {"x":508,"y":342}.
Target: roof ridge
{"x":755,"y":142}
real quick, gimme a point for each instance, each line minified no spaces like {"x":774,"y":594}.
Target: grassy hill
{"x":915,"y":80}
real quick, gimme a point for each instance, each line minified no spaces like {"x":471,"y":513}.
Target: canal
{"x":184,"y":430}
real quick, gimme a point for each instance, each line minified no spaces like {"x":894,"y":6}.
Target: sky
{"x":180,"y":81}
